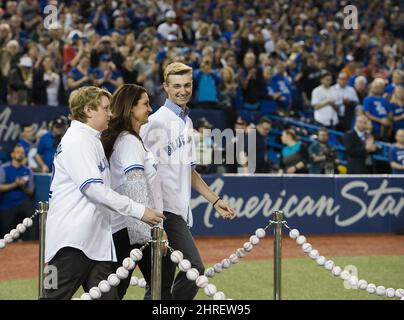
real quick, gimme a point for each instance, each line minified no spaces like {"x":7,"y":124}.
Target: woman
{"x":133,"y":173}
{"x":294,"y":155}
{"x":80,"y":76}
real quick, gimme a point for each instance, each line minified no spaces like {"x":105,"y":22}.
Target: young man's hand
{"x":225,"y":211}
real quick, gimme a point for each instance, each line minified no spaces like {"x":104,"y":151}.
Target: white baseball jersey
{"x":169,"y":135}
{"x":80,"y":200}
{"x":130,"y":154}
{"x":327,"y":114}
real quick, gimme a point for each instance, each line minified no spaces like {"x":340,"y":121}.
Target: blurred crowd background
{"x":260,"y":62}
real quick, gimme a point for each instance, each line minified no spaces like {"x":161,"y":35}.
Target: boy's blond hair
{"x":85,"y":96}
{"x":176,"y":68}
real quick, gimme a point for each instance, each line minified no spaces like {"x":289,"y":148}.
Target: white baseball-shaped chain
{"x":136,"y":254}
{"x":113,"y":280}
{"x":192,"y":274}
{"x":27,"y":222}
{"x":300,"y":240}
{"x":202,"y":281}
{"x":184,"y":265}
{"x":95,"y":293}
{"x":176,"y":256}
{"x":104,"y":286}
{"x":254,"y":240}
{"x":128,"y":263}
{"x":294,"y":233}
{"x":260,"y":233}
{"x":210,"y":289}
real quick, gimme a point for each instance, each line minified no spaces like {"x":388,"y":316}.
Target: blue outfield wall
{"x":313,"y":204}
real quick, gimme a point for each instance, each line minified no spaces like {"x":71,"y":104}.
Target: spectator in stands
{"x":281,"y":88}
{"x":5,"y":34}
{"x":309,"y":78}
{"x":27,"y":137}
{"x":146,"y":67}
{"x":129,"y":73}
{"x":80,"y":76}
{"x":397,"y":81}
{"x":48,"y":88}
{"x":106,"y":75}
{"x":73,"y":50}
{"x":206,"y":82}
{"x":396,"y":155}
{"x":235,"y":162}
{"x":100,"y":17}
{"x":323,"y":157}
{"x":20,"y":82}
{"x":323,"y":100}
{"x":269,"y":99}
{"x":252,"y":82}
{"x":187,"y":33}
{"x":359,"y":146}
{"x":204,"y":146}
{"x":48,"y":143}
{"x":358,"y":72}
{"x":360,"y":86}
{"x":169,"y":26}
{"x":16,"y":191}
{"x":377,"y":109}
{"x":229,"y":92}
{"x":346,"y":101}
{"x":294,"y":156}
{"x":8,"y":61}
{"x":397,"y":108}
{"x":104,"y":46}
{"x":32,"y":162}
{"x":263,"y":127}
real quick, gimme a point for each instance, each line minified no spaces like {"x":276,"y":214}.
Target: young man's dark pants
{"x":123,"y":249}
{"x":75,"y":269}
{"x":180,"y":238}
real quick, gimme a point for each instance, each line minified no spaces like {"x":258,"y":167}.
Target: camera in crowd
{"x":330,"y":162}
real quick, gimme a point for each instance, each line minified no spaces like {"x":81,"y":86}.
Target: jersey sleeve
{"x":130,"y":153}
{"x":155,"y":138}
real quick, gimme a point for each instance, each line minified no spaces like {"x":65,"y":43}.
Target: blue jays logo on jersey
{"x":103,"y":165}
{"x":178,"y":143}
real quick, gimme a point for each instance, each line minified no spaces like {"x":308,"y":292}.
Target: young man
{"x":78,"y":231}
{"x":16,"y":191}
{"x":169,"y":135}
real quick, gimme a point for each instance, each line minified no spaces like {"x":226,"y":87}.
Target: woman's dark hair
{"x":123,"y":99}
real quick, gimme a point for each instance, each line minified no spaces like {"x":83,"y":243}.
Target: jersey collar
{"x":83,"y":126}
{"x":180,"y":112}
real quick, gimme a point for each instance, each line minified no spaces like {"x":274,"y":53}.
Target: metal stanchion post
{"x":156,"y":256}
{"x":277,"y":216}
{"x":43,"y":212}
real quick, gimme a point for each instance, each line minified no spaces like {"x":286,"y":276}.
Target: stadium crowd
{"x":296,"y":59}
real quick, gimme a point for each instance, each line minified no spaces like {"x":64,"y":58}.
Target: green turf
{"x":301,"y":279}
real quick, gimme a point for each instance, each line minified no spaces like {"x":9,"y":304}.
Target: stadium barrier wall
{"x":318,"y":204}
